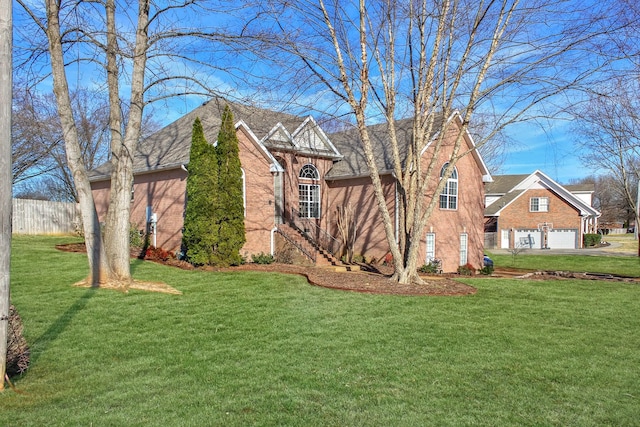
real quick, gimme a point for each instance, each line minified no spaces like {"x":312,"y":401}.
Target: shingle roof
{"x":170,"y":146}
{"x":580,"y":188}
{"x":503,"y":183}
{"x":354,"y":163}
{"x":505,"y":186}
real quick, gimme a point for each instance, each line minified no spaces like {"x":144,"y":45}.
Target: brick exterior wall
{"x":165,"y":192}
{"x":517,"y":215}
{"x":371,"y":241}
{"x":259,"y":197}
{"x":468,"y":218}
{"x":447,"y":225}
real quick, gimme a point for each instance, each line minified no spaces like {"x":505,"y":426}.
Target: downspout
{"x":273,"y":241}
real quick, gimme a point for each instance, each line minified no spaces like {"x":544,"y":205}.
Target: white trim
{"x":273,"y":241}
{"x":426,"y":246}
{"x":486,"y":175}
{"x":316,"y":128}
{"x":466,"y":248}
{"x":539,"y":177}
{"x":274,"y":166}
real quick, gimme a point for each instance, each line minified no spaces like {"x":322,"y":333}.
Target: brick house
{"x":295,"y":177}
{"x":533,"y":211}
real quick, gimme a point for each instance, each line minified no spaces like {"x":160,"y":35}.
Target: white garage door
{"x":563,"y":239}
{"x":528,"y":239}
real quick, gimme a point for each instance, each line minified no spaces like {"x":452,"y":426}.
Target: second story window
{"x":309,"y":194}
{"x":449,"y":195}
{"x":539,"y":204}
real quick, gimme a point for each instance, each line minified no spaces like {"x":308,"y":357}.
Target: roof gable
{"x":519,"y":184}
{"x":170,"y":146}
{"x":310,"y":138}
{"x":279,"y":137}
{"x":354,"y":162}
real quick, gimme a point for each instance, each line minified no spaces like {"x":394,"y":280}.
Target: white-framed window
{"x":309,"y":171}
{"x":309,"y":194}
{"x":539,"y":204}
{"x":431,"y":247}
{"x":449,"y":195}
{"x":464,"y":248}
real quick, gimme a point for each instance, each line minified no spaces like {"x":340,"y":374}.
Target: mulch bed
{"x":374,"y":281}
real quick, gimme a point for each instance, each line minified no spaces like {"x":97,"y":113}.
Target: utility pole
{"x":5,"y":177}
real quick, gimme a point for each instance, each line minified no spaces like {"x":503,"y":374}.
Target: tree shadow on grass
{"x":59,"y":326}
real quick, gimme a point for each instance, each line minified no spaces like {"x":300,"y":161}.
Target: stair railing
{"x":311,"y":255}
{"x":318,"y":236}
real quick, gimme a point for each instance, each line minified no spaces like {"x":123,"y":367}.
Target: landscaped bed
{"x":375,"y":280}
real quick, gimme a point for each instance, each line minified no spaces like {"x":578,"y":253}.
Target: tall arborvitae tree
{"x":200,"y":235}
{"x":229,"y":215}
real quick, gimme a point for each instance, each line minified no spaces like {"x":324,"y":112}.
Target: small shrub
{"x":432,"y":268}
{"x":136,"y":239}
{"x":487,"y":270}
{"x":388,"y":259}
{"x":592,"y":239}
{"x":466,"y":270}
{"x":263,"y":258}
{"x":286,"y":255}
{"x":157,"y":254}
{"x":358,"y":258}
{"x":18,"y":353}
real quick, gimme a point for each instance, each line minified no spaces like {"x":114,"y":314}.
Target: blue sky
{"x":550,"y":149}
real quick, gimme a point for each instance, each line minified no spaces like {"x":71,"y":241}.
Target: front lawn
{"x":628,"y":266}
{"x":251,"y":348}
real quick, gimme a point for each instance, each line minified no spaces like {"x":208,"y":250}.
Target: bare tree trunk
{"x":117,"y":227}
{"x":5,"y":178}
{"x":99,"y":271}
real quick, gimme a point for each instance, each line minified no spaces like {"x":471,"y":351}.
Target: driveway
{"x":610,"y":250}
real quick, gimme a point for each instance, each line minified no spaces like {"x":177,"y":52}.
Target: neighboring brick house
{"x":533,"y":211}
{"x":295,"y":177}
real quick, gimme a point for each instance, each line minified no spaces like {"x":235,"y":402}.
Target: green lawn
{"x":628,"y":266}
{"x":240,"y":349}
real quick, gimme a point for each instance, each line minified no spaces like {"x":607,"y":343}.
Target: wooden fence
{"x":44,"y":217}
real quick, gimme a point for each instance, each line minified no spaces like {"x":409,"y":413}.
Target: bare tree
{"x":35,"y":133}
{"x":348,"y":227}
{"x":143,"y":50}
{"x":386,"y":60}
{"x":608,"y":132}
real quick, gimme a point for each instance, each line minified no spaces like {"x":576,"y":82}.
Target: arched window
{"x":309,"y":194}
{"x":309,"y":171}
{"x":449,"y":195}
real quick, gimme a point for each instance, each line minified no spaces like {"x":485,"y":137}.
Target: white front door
{"x":504,"y":239}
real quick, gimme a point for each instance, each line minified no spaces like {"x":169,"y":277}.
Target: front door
{"x":504,"y":239}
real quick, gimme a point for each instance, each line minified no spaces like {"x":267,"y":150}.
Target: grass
{"x":620,"y":265}
{"x":240,"y":349}
{"x":624,"y":242}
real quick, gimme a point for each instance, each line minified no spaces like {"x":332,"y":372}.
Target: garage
{"x":530,"y":239}
{"x":563,"y":239}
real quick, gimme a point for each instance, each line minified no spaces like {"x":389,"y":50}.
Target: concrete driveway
{"x":599,"y":251}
